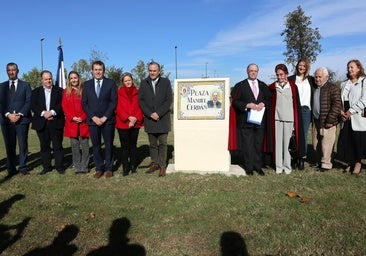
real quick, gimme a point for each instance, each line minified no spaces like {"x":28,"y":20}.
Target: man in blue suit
{"x":15,"y":118}
{"x":99,"y":101}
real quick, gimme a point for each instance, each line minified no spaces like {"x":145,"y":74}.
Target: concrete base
{"x":235,"y":170}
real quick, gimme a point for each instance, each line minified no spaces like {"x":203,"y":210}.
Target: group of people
{"x":290,"y":105}
{"x":94,"y":109}
{"x":83,"y":111}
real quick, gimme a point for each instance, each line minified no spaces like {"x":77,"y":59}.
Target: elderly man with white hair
{"x":327,"y":106}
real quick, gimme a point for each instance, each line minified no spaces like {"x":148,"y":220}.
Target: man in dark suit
{"x":99,"y":100}
{"x":248,"y":95}
{"x":48,"y":120}
{"x":155,"y":99}
{"x":15,"y":119}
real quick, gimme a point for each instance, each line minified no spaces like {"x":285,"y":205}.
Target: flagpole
{"x":42,"y":53}
{"x":60,"y":78}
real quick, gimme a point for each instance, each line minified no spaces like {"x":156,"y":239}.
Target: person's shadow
{"x":119,"y":242}
{"x":61,"y":244}
{"x":233,"y":244}
{"x":10,"y":234}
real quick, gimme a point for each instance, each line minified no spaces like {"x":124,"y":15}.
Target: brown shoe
{"x":108,"y":174}
{"x":98,"y":174}
{"x":152,"y":169}
{"x":162,"y":172}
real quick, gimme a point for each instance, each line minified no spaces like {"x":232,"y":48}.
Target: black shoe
{"x":24,"y":172}
{"x":300,"y":164}
{"x":80,"y":172}
{"x":126,"y":170}
{"x":133,"y":169}
{"x":260,"y":172}
{"x":294,"y":163}
{"x":250,"y":173}
{"x":315,"y":165}
{"x":61,"y":171}
{"x":43,"y":172}
{"x":323,"y":169}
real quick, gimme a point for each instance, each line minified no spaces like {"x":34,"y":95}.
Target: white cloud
{"x":258,"y":35}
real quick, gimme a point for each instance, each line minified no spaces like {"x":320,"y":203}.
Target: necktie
{"x":12,"y":88}
{"x":255,"y":90}
{"x":98,"y":88}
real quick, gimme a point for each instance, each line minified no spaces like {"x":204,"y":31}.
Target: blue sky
{"x":220,"y":35}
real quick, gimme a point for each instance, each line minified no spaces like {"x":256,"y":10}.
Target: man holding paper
{"x":250,"y":98}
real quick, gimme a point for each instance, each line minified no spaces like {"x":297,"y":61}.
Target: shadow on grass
{"x":10,"y":234}
{"x":61,"y":245}
{"x":3,"y":164}
{"x":232,"y":243}
{"x":119,"y":242}
{"x":34,"y":159}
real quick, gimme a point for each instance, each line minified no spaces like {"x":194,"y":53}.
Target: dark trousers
{"x":55,"y":136}
{"x":158,"y":148}
{"x":128,"y":140}
{"x":252,"y":147}
{"x":96,"y":133}
{"x":12,"y":132}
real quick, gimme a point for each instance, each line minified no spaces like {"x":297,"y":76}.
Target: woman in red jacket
{"x":129,"y":120}
{"x":75,"y":124}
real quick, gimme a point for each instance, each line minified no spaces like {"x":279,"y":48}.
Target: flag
{"x":60,"y":78}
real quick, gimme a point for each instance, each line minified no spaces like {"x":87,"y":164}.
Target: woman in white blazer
{"x":353,"y":133}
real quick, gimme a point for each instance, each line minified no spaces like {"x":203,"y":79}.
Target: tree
{"x":140,"y":72}
{"x":33,"y":77}
{"x":114,"y":73}
{"x":83,"y":68}
{"x":301,"y":40}
{"x":97,"y":55}
{"x":334,"y":77}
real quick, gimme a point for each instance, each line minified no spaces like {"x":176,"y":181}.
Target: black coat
{"x":159,"y":102}
{"x":38,"y":104}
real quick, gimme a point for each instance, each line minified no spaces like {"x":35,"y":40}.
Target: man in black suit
{"x":99,"y":101}
{"x":48,"y":120}
{"x":247,"y":95}
{"x":15,"y":118}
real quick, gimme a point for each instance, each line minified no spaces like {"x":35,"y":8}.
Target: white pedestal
{"x":200,"y":144}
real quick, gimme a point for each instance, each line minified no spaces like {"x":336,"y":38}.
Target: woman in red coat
{"x":129,"y":120}
{"x":76,"y":127}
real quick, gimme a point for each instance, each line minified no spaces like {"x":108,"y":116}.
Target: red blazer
{"x":72,"y":107}
{"x":128,"y":105}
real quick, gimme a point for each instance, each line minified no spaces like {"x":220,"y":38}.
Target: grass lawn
{"x":180,"y":214}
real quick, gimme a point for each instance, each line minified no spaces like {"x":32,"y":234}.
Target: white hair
{"x":324,"y":70}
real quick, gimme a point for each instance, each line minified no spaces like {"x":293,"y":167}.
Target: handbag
{"x":292,"y":144}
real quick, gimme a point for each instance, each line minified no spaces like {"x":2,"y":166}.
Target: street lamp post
{"x":42,"y":53}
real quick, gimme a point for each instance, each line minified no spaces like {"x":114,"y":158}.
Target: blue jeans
{"x":306,"y":118}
